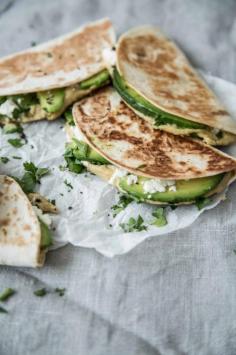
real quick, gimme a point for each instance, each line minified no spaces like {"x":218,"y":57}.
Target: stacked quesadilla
{"x":148,"y":164}
{"x":156,"y":80}
{"x":24,"y":230}
{"x":41,"y":82}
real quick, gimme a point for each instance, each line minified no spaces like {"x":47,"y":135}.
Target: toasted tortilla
{"x":20,"y":233}
{"x":131,"y":143}
{"x":158,"y":70}
{"x":59,"y":63}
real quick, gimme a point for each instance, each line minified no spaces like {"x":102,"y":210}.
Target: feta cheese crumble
{"x":109,"y":56}
{"x":77,"y":134}
{"x":7,"y":108}
{"x":118,"y":173}
{"x":153,"y":185}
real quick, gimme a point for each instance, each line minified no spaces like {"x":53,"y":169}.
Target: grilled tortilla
{"x":156,"y":80}
{"x":130,"y":153}
{"x":43,"y":81}
{"x":21,"y":231}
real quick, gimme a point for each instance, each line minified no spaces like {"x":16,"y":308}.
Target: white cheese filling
{"x":109,"y":57}
{"x":153,"y":185}
{"x":77,"y":134}
{"x":7,"y":108}
{"x":118,"y":173}
{"x":132,"y":179}
{"x":45,"y":218}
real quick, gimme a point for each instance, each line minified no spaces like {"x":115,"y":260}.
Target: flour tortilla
{"x":20,"y":233}
{"x":131,"y":143}
{"x":158,"y":70}
{"x":59,"y":63}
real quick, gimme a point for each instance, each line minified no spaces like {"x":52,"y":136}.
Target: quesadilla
{"x":156,"y":80}
{"x":150,"y":165}
{"x":41,"y":82}
{"x":24,"y":230}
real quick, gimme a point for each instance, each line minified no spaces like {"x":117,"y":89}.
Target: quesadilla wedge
{"x":41,"y":82}
{"x":156,"y":80}
{"x":150,"y":165}
{"x":24,"y":230}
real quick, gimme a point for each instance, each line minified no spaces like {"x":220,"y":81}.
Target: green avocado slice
{"x":95,"y":81}
{"x":51,"y":100}
{"x":46,"y":235}
{"x":186,"y":190}
{"x":140,"y":104}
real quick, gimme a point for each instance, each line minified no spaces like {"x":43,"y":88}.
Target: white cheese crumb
{"x":132,"y":179}
{"x":45,"y":218}
{"x":109,"y":56}
{"x":7,"y":108}
{"x":154,"y":185}
{"x":119,"y":173}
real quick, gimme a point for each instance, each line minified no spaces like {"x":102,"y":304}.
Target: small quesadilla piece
{"x":24,"y":231}
{"x":41,"y":82}
{"x":156,"y":80}
{"x":154,"y":166}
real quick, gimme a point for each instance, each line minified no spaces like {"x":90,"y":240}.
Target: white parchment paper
{"x":85,"y":217}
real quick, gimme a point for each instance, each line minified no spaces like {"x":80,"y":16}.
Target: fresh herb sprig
{"x":134,"y":225}
{"x":6,"y":294}
{"x":123,"y":202}
{"x":160,"y":218}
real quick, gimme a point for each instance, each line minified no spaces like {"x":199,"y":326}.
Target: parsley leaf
{"x":69,"y":117}
{"x":68,"y":184}
{"x":41,"y":292}
{"x":202,"y":202}
{"x":133,"y":225}
{"x":16,"y":142}
{"x":12,"y":128}
{"x":160,"y":218}
{"x":7,"y":293}
{"x":60,"y":291}
{"x":36,"y":172}
{"x":4,"y":160}
{"x":123,"y":202}
{"x":3,"y":310}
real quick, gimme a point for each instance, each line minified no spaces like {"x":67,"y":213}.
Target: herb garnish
{"x":7,"y":293}
{"x":31,"y":177}
{"x":160,"y":218}
{"x":16,"y":142}
{"x":123,"y":202}
{"x":69,"y":117}
{"x":41,"y":292}
{"x":134,"y":225}
{"x":15,"y":157}
{"x":68,"y":184}
{"x":202,"y":202}
{"x":12,"y":128}
{"x":4,"y":160}
{"x":3,"y":310}
{"x":60,"y":291}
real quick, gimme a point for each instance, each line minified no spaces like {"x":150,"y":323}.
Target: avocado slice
{"x":52,"y":100}
{"x":95,"y":81}
{"x":78,"y":151}
{"x":186,"y":190}
{"x":46,"y":235}
{"x":140,"y":104}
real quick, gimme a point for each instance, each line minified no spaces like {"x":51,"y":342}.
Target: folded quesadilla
{"x":24,"y":230}
{"x":150,"y":165}
{"x":157,"y":81}
{"x":43,"y":81}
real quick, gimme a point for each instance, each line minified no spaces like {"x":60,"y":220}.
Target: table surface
{"x":170,"y":295}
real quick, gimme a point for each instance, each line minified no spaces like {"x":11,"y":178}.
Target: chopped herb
{"x":41,"y":292}
{"x":70,"y":208}
{"x":15,"y":157}
{"x":202,"y":202}
{"x":69,"y":117}
{"x":60,"y":291}
{"x":16,"y":142}
{"x":38,"y":173}
{"x":12,"y":128}
{"x":53,"y":202}
{"x":133,"y":225}
{"x":62,"y":168}
{"x":4,"y":160}
{"x":3,"y":310}
{"x":49,"y":55}
{"x":68,"y":184}
{"x":7,"y":293}
{"x":33,"y":43}
{"x":160,"y":218}
{"x":234,"y":251}
{"x":123,"y":202}
{"x":61,"y":194}
{"x":173,"y":207}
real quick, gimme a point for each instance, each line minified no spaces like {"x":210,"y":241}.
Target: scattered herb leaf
{"x":60,"y":291}
{"x":3,"y":310}
{"x":68,"y":184}
{"x":4,"y":160}
{"x":15,"y":157}
{"x":7,"y":293}
{"x":41,"y":292}
{"x":133,"y":225}
{"x":123,"y":202}
{"x":16,"y":142}
{"x":160,"y":218}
